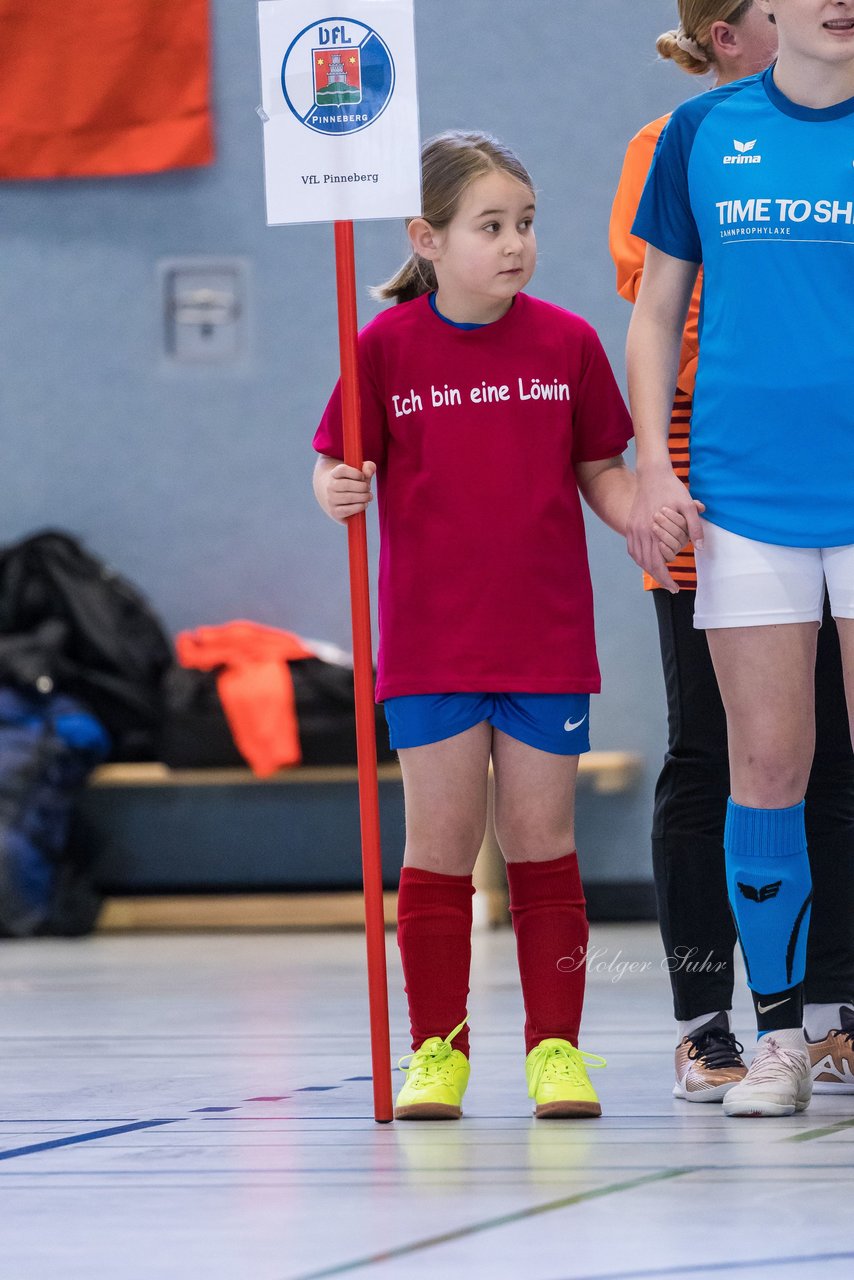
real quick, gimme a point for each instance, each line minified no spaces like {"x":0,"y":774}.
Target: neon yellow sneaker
{"x":436,"y":1080}
{"x":557,"y":1080}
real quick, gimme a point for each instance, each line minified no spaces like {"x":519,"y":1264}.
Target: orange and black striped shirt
{"x":628,"y":253}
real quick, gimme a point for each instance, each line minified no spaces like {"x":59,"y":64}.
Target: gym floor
{"x":199,"y":1106}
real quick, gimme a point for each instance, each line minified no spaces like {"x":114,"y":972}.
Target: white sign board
{"x":340,"y":110}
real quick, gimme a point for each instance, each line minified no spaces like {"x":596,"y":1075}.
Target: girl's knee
{"x":446,"y":851}
{"x":769,"y":780}
{"x":530,"y":844}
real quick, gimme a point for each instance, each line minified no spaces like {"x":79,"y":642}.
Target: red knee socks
{"x":434,"y":936}
{"x":547,"y":906}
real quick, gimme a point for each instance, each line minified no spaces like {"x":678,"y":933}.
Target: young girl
{"x":755,"y":180}
{"x":727,"y":40}
{"x":484,"y":411}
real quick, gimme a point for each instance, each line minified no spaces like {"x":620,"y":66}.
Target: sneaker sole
{"x":716,"y":1094}
{"x":567,"y":1111}
{"x":428,"y":1111}
{"x":763,"y":1110}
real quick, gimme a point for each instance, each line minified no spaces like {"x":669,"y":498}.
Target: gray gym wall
{"x":195,"y":482}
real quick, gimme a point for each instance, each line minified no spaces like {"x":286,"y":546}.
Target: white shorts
{"x":744,"y":583}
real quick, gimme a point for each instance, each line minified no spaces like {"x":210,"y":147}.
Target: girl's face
{"x":488,"y":250}
{"x":822,"y":30}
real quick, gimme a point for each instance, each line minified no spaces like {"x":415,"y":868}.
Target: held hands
{"x":671,"y":529}
{"x":663,"y":519}
{"x":348,"y":491}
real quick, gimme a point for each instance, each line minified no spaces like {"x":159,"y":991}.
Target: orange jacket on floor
{"x":255,"y":687}
{"x":94,"y":88}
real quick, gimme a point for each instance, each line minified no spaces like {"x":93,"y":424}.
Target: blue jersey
{"x":761,"y":191}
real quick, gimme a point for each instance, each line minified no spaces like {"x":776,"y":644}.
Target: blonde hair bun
{"x":673,"y":49}
{"x":694,"y":53}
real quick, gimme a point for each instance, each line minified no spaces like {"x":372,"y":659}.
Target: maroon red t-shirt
{"x":484,"y":584}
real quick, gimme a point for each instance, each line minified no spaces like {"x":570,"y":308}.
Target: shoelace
{"x":552,"y":1059}
{"x":717,"y":1049}
{"x":770,"y":1058}
{"x":427,"y":1065}
{"x":846,"y":1030}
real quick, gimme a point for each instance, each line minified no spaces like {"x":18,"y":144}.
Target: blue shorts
{"x":555,"y":722}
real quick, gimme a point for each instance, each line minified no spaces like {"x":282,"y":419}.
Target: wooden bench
{"x":606,"y":772}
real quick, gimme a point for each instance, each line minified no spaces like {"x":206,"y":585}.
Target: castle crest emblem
{"x":337,"y":76}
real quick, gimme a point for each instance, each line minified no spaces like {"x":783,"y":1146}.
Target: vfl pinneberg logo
{"x":743,"y":153}
{"x":338,"y":76}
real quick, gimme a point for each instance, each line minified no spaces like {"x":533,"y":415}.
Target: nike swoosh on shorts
{"x":569,"y":726}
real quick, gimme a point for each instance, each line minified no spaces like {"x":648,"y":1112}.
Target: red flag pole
{"x":366,"y":744}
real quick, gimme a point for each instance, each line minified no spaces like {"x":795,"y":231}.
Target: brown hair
{"x":450,"y":163}
{"x":689,"y":45}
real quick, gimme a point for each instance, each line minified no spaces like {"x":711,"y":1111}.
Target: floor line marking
{"x":390,"y":1177}
{"x":14,"y":1152}
{"x":838,"y":1127}
{"x":701,"y":1268}
{"x":490,"y":1224}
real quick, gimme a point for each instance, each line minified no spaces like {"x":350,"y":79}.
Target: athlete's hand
{"x":348,"y":490}
{"x":657,"y":489}
{"x":671,"y":529}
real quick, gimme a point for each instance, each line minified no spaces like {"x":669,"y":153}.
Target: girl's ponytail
{"x":415,"y":277}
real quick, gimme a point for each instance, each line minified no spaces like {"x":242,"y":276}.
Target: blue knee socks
{"x":770,"y":890}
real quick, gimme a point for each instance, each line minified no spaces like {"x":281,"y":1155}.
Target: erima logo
{"x":760,"y":895}
{"x":743,"y":153}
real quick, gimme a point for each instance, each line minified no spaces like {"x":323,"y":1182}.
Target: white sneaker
{"x":778,"y":1080}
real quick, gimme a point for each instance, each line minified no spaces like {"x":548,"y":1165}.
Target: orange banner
{"x":100,"y":88}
